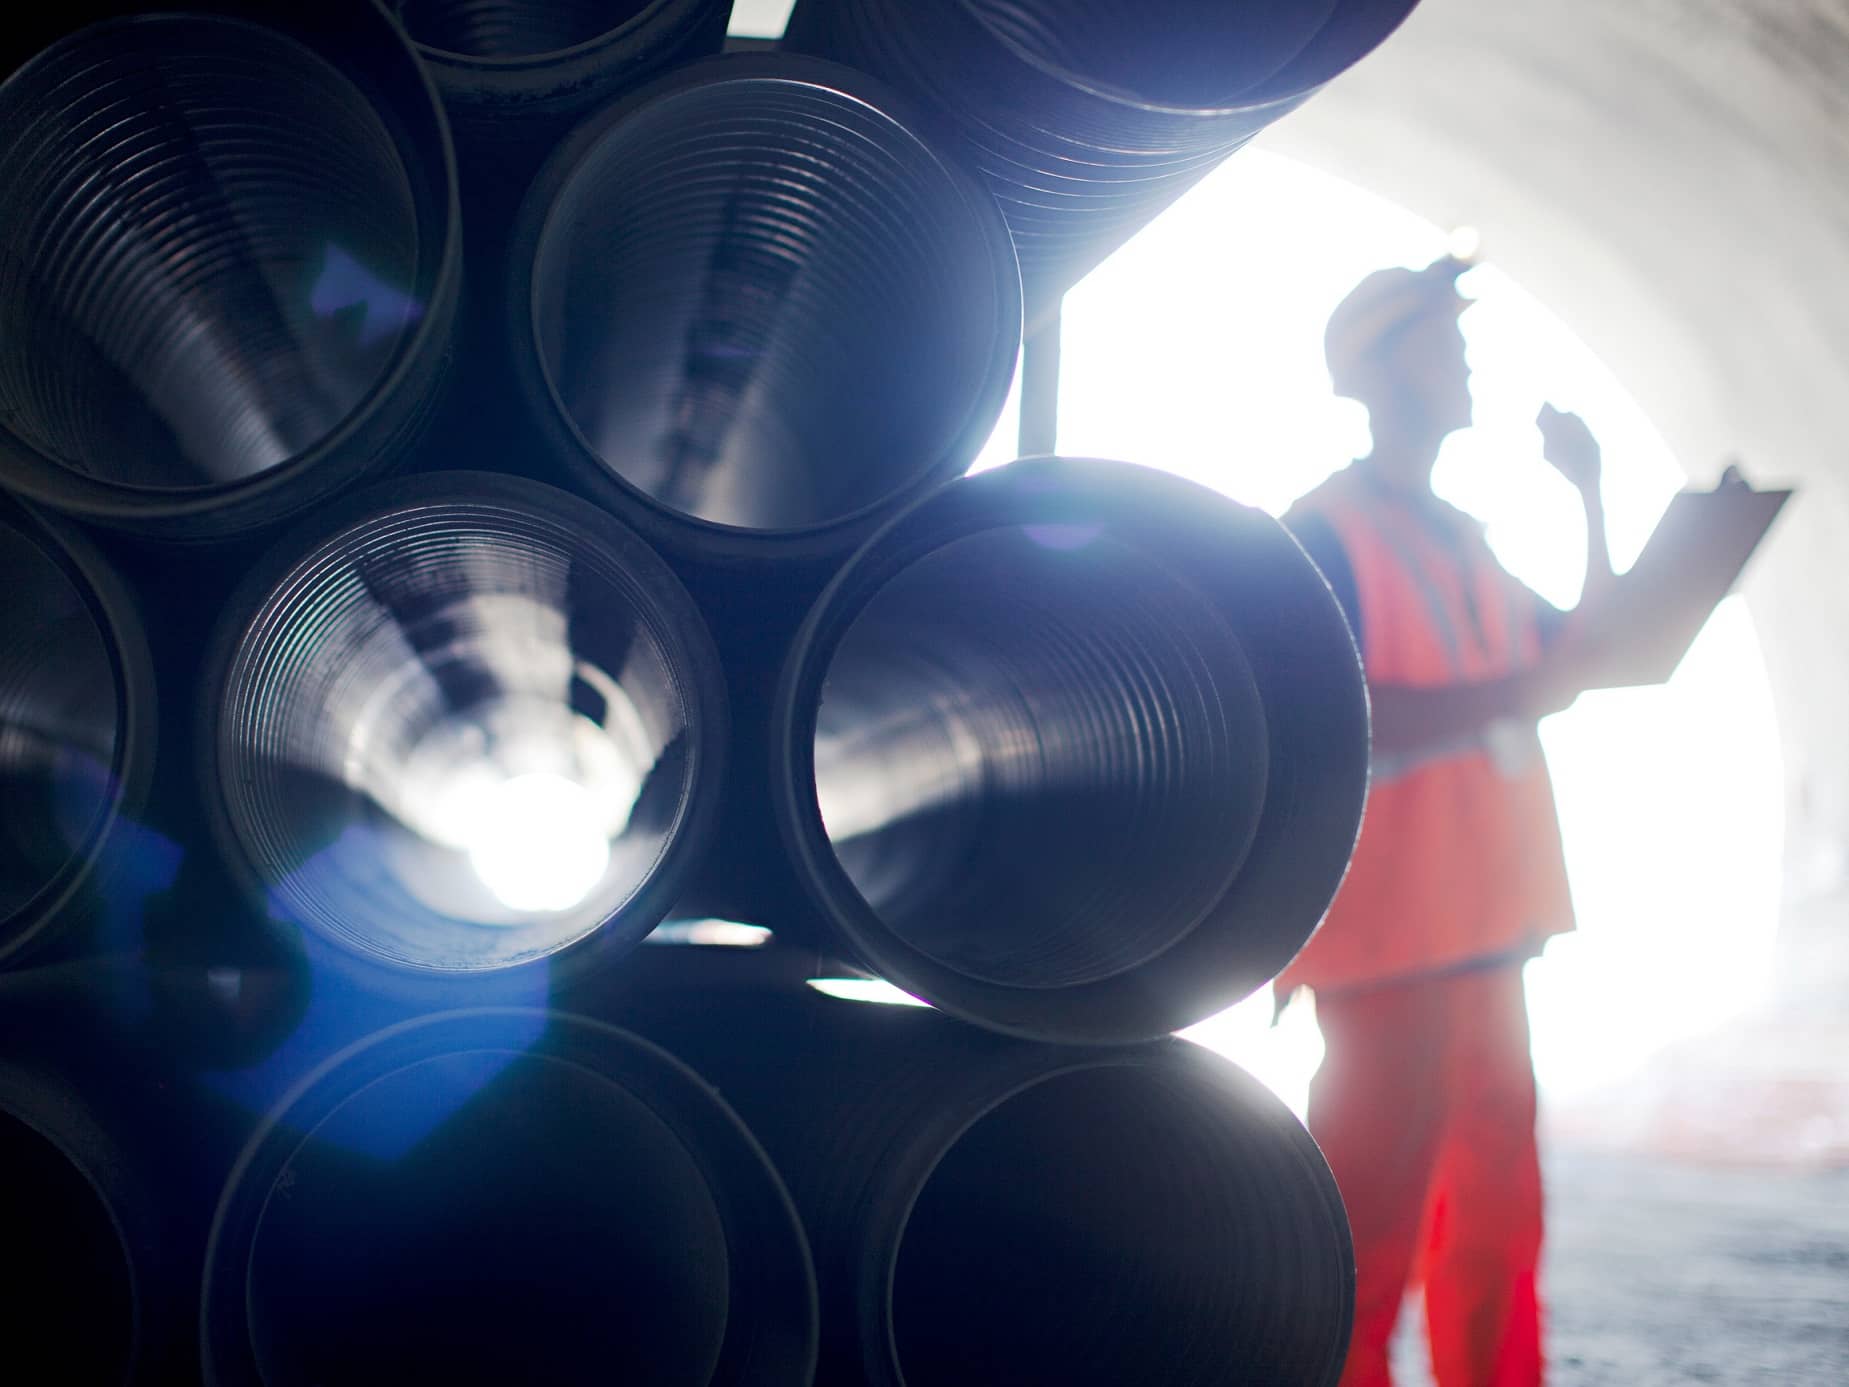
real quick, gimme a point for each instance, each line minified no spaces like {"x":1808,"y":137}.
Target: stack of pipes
{"x":493,"y":612}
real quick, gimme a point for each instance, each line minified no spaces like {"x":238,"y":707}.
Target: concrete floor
{"x":1665,"y":1272}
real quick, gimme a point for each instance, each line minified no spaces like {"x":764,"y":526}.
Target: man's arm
{"x":1409,"y":720}
{"x":1574,"y":453}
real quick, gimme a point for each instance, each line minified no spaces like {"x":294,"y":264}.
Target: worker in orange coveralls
{"x":1425,"y":1103}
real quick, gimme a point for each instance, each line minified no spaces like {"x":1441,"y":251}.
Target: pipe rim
{"x":69,"y":1129}
{"x":715,"y":1139}
{"x":1179,"y":1061}
{"x":680,"y":531}
{"x":412,"y":113}
{"x":655,"y":12}
{"x":693,"y":660}
{"x":125,"y":645}
{"x":1285,"y":87}
{"x":1090,"y":87}
{"x":1119,"y":1008}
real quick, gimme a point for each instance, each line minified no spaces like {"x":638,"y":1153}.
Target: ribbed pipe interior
{"x":1185,"y":53}
{"x":70,"y":1298}
{"x":552,"y":1226}
{"x":408,"y":702}
{"x":1040,"y":754}
{"x":765,"y":305}
{"x":512,"y":28}
{"x":207,"y":248}
{"x":1113,"y":1225}
{"x":59,"y":722}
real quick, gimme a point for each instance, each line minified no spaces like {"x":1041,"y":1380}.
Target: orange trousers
{"x":1425,"y":1108}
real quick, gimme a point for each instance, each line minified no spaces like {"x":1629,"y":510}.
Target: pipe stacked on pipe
{"x":1087,"y":117}
{"x":1074,"y":749}
{"x":983,"y":1209}
{"x":228,"y":260}
{"x":96,"y":1291}
{"x":77,"y":716}
{"x":515,"y":74}
{"x":472,"y":724}
{"x":682,"y":604}
{"x":754,"y":312}
{"x":505,"y":1196}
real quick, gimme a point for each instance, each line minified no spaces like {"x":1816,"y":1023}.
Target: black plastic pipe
{"x":516,"y":74}
{"x":1087,"y":117}
{"x":229,"y":258}
{"x":1074,"y":749}
{"x":83,"y":1259}
{"x":463,"y":724}
{"x":988,"y":1210}
{"x":754,"y":312}
{"x":506,"y":1196}
{"x":77,"y":728}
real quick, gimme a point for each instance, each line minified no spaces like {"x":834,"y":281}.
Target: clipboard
{"x":1652,"y":613}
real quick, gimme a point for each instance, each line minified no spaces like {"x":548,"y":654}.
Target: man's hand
{"x":1569,"y":445}
{"x":1580,"y":659}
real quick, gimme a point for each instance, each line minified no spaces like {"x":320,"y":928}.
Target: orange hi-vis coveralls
{"x":1425,"y":1103}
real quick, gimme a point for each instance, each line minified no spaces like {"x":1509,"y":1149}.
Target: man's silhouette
{"x":1425,"y":1104}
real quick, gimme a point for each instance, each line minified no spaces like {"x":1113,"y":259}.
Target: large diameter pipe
{"x":1074,"y":749}
{"x":465,"y":724}
{"x":1087,"y":117}
{"x":505,"y":1196}
{"x":229,"y":259}
{"x":987,"y":1210}
{"x":516,"y":74}
{"x":77,"y":728}
{"x":515,"y":58}
{"x":755,"y":312}
{"x":82,"y":1259}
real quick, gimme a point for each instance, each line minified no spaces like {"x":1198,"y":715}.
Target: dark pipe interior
{"x":512,"y":28}
{"x":59,"y":721}
{"x":766,"y":305}
{"x":207,"y":248}
{"x":69,"y":1295}
{"x":400,"y":679}
{"x":1040,"y":754}
{"x":1114,"y":1225}
{"x":1189,"y":53}
{"x":553,"y":1230}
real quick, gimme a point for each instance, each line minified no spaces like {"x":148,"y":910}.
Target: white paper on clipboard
{"x":1652,"y":613}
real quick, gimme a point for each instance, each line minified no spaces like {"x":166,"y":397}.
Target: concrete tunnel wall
{"x":1672,"y":178}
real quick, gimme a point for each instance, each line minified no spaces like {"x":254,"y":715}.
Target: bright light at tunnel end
{"x":1198,"y":348}
{"x":536,"y":842}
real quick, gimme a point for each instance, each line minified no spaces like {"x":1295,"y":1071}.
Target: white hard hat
{"x":1380,"y":305}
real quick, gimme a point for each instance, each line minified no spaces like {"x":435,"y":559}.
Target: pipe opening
{"x":1180,"y":53}
{"x":1116,"y":1224}
{"x":513,"y":28}
{"x":70,"y":1297}
{"x":554,"y":1224}
{"x":1040,"y":754}
{"x":208,"y":247}
{"x":764,"y":304}
{"x":461,"y":734}
{"x":60,"y":723}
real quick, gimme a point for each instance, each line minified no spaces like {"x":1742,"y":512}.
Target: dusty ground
{"x":1670,"y":1272}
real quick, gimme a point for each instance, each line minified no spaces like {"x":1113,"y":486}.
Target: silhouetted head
{"x":1394,"y":345}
